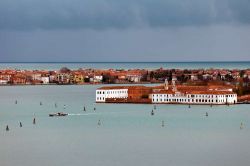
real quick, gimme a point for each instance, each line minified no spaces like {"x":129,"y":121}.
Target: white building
{"x":201,"y":97}
{"x":98,"y":78}
{"x":3,"y":82}
{"x":108,"y":92}
{"x":134,"y":78}
{"x":45,"y":80}
{"x":37,"y":76}
{"x":172,"y":94}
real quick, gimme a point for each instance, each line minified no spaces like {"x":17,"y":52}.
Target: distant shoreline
{"x":88,"y":84}
{"x":247,"y":61}
{"x":127,"y":65}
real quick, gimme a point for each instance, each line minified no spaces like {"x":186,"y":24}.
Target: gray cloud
{"x":103,"y":14}
{"x":181,"y":44}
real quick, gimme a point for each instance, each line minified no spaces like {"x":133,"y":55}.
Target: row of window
{"x":100,"y":92}
{"x":100,"y":98}
{"x":103,"y":98}
{"x":188,"y":100}
{"x":111,"y":92}
{"x":231,"y":95}
{"x":196,"y":96}
{"x":115,"y":92}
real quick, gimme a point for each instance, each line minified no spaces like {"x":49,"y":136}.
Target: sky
{"x":124,"y":30}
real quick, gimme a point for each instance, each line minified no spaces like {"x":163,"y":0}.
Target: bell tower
{"x":166,"y":84}
{"x":173,"y":84}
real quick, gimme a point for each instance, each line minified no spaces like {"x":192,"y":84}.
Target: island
{"x":167,"y":94}
{"x":235,"y":81}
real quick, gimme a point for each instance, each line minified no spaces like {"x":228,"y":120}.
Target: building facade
{"x":167,"y":94}
{"x":205,"y":97}
{"x":105,"y":93}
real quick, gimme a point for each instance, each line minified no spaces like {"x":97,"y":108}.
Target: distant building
{"x":3,"y":81}
{"x":111,"y":92}
{"x":36,"y":76}
{"x":196,"y":97}
{"x":18,"y":79}
{"x":63,"y":78}
{"x":76,"y":78}
{"x":134,"y":78}
{"x":5,"y":77}
{"x":167,"y":94}
{"x":98,"y":78}
{"x":45,"y":80}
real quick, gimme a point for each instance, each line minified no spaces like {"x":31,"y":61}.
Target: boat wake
{"x":82,"y":114}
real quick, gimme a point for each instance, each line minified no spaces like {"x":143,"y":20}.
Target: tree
{"x":65,"y":70}
{"x":239,"y":89}
{"x":86,"y":80}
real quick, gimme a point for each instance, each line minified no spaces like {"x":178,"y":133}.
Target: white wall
{"x":194,"y":98}
{"x":3,"y":81}
{"x":101,"y":95}
{"x":45,"y":80}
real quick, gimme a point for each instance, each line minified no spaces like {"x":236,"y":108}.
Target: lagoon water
{"x":128,"y":134}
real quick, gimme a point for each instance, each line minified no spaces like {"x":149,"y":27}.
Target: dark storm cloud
{"x":217,"y":43}
{"x":102,"y":14}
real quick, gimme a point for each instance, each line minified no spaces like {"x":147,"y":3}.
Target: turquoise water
{"x":128,"y":134}
{"x":129,"y":65}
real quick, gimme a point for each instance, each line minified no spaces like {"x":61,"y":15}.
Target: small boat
{"x":34,"y":121}
{"x":58,"y":114}
{"x":20,"y":124}
{"x":206,"y":114}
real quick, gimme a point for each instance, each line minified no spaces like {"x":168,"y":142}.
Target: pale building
{"x":108,"y":92}
{"x":199,"y":97}
{"x":3,"y":82}
{"x":169,"y":94}
{"x":45,"y":80}
{"x":202,"y":96}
